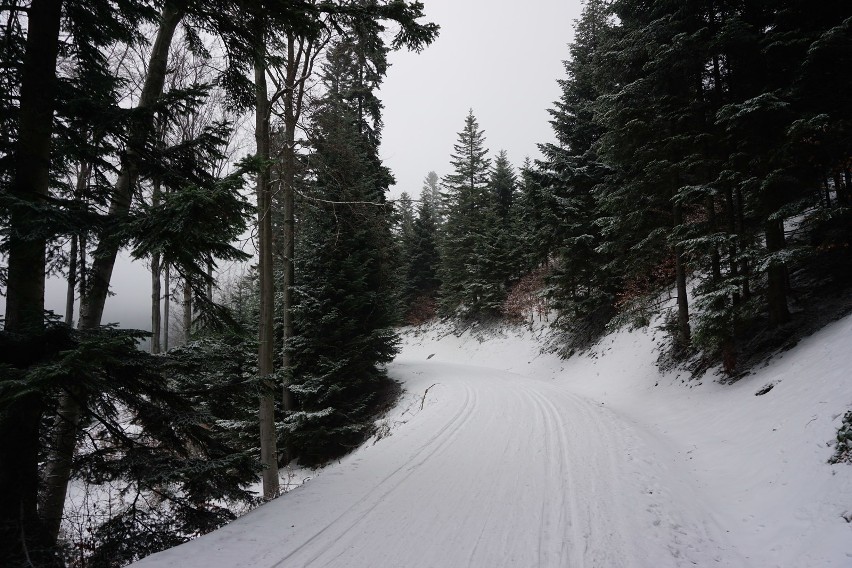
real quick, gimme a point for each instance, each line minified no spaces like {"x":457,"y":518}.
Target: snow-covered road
{"x":496,"y":469}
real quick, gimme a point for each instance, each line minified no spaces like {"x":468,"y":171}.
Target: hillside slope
{"x":500,"y":456}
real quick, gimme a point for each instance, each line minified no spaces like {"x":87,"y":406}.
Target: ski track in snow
{"x":498,"y":469}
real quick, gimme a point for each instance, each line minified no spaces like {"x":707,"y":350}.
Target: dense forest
{"x":700,"y":170}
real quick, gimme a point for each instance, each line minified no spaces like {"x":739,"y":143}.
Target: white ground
{"x":521,"y":459}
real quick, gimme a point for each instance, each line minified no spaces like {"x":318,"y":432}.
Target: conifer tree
{"x":422,"y":263}
{"x":504,"y":185}
{"x":431,"y":191}
{"x":344,"y":290}
{"x":583,"y":282}
{"x":533,"y":224}
{"x":471,"y":283}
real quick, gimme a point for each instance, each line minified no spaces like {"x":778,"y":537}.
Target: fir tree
{"x":422,"y":267}
{"x":431,"y":191}
{"x":582,"y":284}
{"x":471,"y":283}
{"x":344,"y":291}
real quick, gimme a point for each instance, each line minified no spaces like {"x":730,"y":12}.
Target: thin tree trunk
{"x":210,"y":280}
{"x":22,"y":536}
{"x":268,"y":442}
{"x":187,"y":311}
{"x":71,"y":290}
{"x":156,"y":274}
{"x":156,"y":293}
{"x":81,"y":271}
{"x":288,"y":171}
{"x":301,"y":55}
{"x":72,"y":403}
{"x":107,"y":250}
{"x":79,"y":191}
{"x":167,"y":282}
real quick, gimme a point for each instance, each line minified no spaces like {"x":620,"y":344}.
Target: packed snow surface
{"x":498,"y":455}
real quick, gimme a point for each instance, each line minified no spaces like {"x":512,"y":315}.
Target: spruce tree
{"x":344,"y":309}
{"x":422,"y":264}
{"x":431,"y":191}
{"x":583,"y":283}
{"x":471,"y":283}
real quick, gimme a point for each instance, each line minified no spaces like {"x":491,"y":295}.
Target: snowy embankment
{"x":500,"y":456}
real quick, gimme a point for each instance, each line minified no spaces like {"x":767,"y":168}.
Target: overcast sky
{"x":501,"y":58}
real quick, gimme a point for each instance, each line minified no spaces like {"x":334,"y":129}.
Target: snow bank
{"x":500,"y":455}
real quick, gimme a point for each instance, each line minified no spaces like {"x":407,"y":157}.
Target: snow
{"x":498,"y":455}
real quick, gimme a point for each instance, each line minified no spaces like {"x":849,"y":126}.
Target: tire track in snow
{"x":364,"y":506}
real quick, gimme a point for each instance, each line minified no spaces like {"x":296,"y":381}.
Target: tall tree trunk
{"x":266,"y":337}
{"x":107,"y":250}
{"x":210,"y":280}
{"x":187,"y":311}
{"x":79,"y":192}
{"x":167,"y":300}
{"x":156,"y":293}
{"x":71,"y":290}
{"x":292,"y":108}
{"x":156,"y":288}
{"x":71,"y":404}
{"x":776,"y":292}
{"x":22,"y":537}
{"x":81,"y":271}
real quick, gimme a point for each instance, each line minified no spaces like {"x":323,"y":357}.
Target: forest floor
{"x":499,"y":455}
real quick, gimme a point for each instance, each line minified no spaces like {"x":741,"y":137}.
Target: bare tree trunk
{"x":71,"y":291}
{"x":210,"y":280}
{"x":79,"y":191}
{"x":107,"y":250}
{"x":82,"y":271}
{"x":187,"y":311}
{"x":71,"y":404}
{"x":301,"y":54}
{"x":167,"y":282}
{"x":156,"y":289}
{"x":288,"y":174}
{"x":268,"y":442}
{"x":156,"y":293}
{"x":21,"y":532}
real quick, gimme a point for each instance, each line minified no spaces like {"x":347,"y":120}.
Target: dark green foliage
{"x":700,"y":140}
{"x":417,"y":234}
{"x":154,"y":428}
{"x":423,"y":260}
{"x":472,"y":283}
{"x":571,"y":188}
{"x":344,"y":309}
